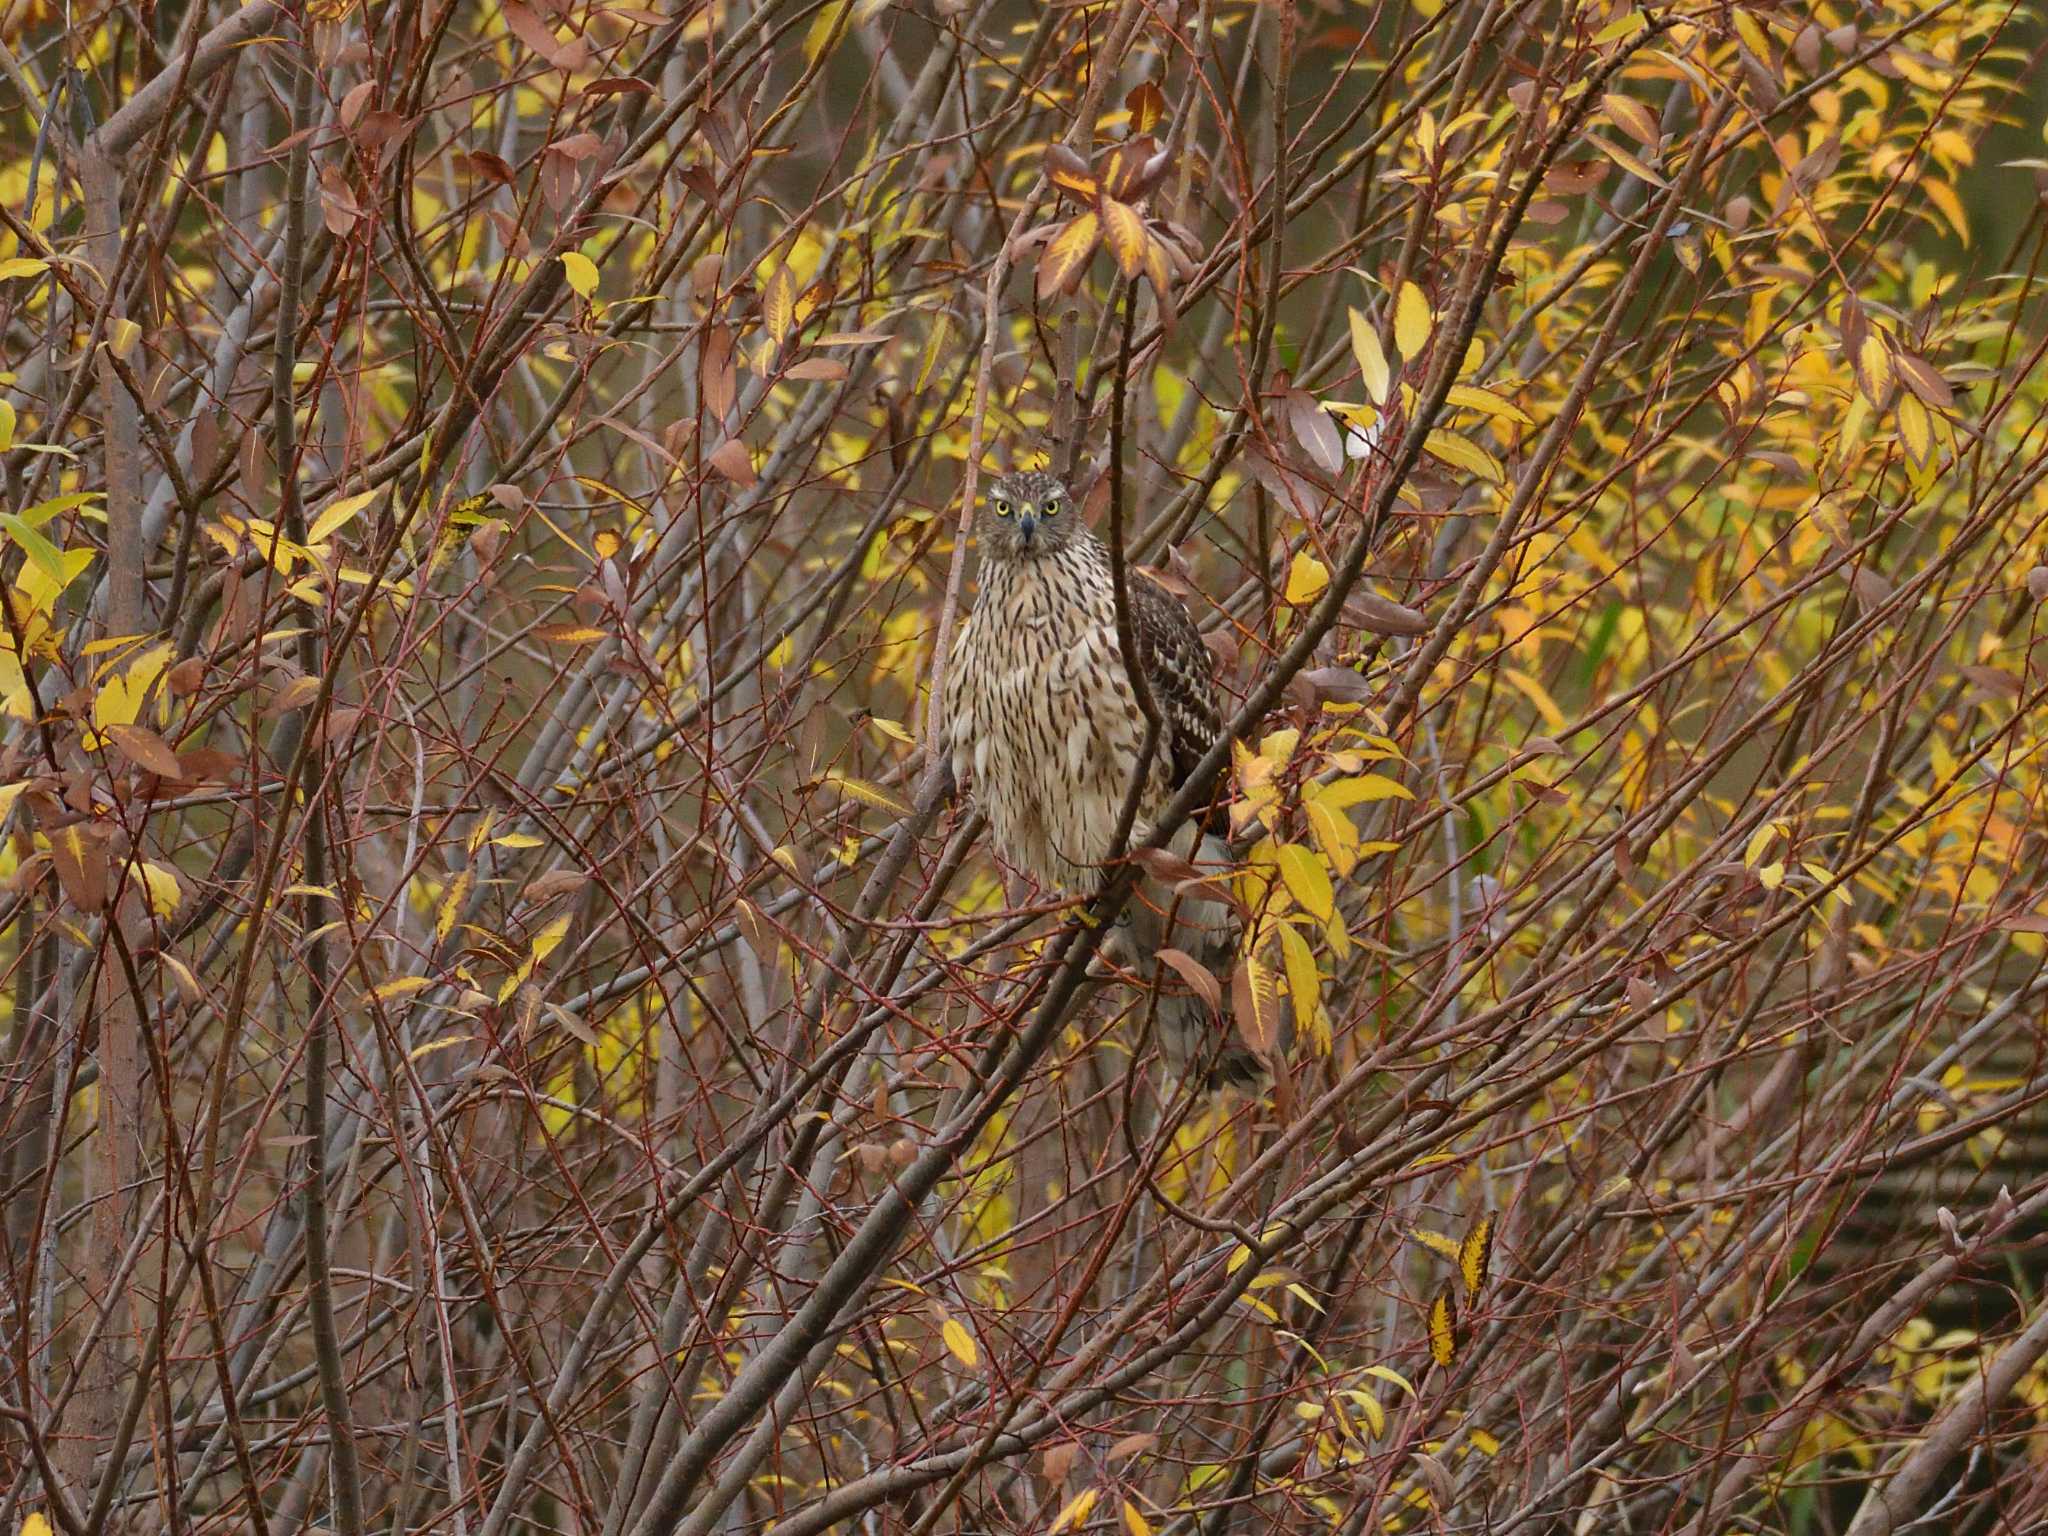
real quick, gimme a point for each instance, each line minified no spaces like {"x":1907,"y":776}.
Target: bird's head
{"x":1032,"y":515}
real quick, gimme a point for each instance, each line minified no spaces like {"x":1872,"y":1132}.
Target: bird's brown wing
{"x":1179,"y":671}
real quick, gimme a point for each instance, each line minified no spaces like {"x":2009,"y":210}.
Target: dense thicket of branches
{"x":507,"y":1028}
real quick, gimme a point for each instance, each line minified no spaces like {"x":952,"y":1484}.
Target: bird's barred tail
{"x":1193,"y":1039}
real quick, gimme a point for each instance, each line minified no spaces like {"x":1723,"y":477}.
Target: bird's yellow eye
{"x":1002,"y":508}
{"x":1051,"y":507}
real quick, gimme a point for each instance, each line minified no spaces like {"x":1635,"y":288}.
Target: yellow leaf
{"x":1304,"y":986}
{"x":546,"y":941}
{"x":1134,"y":1522}
{"x":1436,"y":1242}
{"x":1363,"y":790}
{"x":35,"y":1525}
{"x":581,"y":272}
{"x":22,"y":266}
{"x":1943,"y":196}
{"x":1375,"y":1415}
{"x":401,"y":986}
{"x":1874,"y":363}
{"x":1306,"y":578}
{"x":6,"y":426}
{"x":451,"y":905}
{"x":826,"y":30}
{"x":1475,"y":1253}
{"x":120,"y":699}
{"x":1076,"y":1511}
{"x":432,"y":1046}
{"x":1412,"y":321}
{"x":1473,"y":398}
{"x":1307,"y":881}
{"x":1485,"y":1442}
{"x":1372,"y":358}
{"x":778,"y":304}
{"x":1772,"y":875}
{"x":1332,"y":830}
{"x":1388,"y":1374}
{"x":161,"y":888}
{"x":338,"y":516}
{"x":960,"y":1343}
{"x":1443,"y":1328}
{"x":866,"y":793}
{"x":1463,"y":453}
{"x":1916,"y":429}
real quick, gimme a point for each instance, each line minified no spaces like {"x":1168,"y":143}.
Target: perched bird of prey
{"x":1042,"y":721}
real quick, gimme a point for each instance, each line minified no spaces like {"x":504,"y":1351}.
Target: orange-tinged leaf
{"x":1124,"y":233}
{"x":1065,"y":256}
{"x":1633,"y":118}
{"x":1069,"y":172}
{"x":1147,"y":105}
{"x":1412,"y":322}
{"x":1372,"y":358}
{"x":778,"y":304}
{"x":568,"y":634}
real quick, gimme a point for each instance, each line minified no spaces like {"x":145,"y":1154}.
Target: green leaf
{"x":39,"y":549}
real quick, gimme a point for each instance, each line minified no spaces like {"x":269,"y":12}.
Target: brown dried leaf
{"x":1058,"y":1461}
{"x":717,"y":379}
{"x":1919,"y":377}
{"x":1383,"y":616}
{"x":145,"y":749}
{"x":80,"y":859}
{"x":556,"y":882}
{"x":1167,"y":867}
{"x":1129,"y":1446}
{"x":1197,"y":975}
{"x":1314,"y":430}
{"x":731,"y":459}
{"x":825,"y":369}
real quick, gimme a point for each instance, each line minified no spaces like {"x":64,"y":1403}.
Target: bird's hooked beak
{"x":1027,"y":525}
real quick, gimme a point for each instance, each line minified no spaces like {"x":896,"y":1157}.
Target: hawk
{"x":1041,"y":719}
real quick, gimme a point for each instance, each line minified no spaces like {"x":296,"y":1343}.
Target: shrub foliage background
{"x":506,"y":1031}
